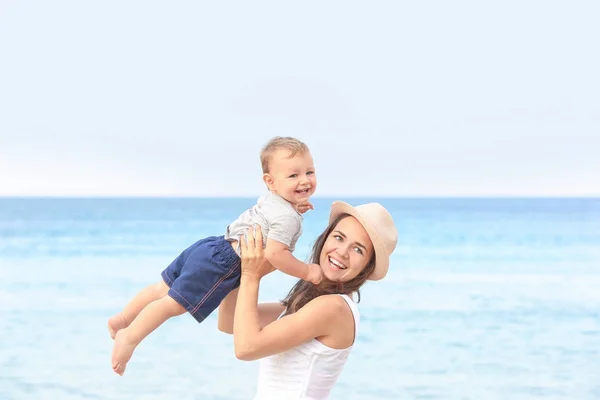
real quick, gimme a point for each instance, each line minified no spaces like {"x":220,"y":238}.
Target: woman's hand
{"x":254,"y":262}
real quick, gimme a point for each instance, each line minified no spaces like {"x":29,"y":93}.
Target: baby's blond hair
{"x":294,"y":145}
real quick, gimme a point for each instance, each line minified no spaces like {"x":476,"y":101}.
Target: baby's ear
{"x":269,"y":181}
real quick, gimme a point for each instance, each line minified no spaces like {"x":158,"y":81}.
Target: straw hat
{"x":380,"y":227}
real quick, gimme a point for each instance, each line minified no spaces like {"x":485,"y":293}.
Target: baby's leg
{"x":150,"y":318}
{"x":133,"y":308}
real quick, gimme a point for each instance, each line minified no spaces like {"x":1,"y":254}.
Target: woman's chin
{"x":333,"y":277}
{"x":332,"y":273}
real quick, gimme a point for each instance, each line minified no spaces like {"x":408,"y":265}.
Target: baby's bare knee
{"x":161,"y":289}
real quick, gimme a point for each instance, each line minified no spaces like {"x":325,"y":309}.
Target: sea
{"x":485,"y":298}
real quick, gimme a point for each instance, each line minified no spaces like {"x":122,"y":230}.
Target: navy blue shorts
{"x":203,"y":275}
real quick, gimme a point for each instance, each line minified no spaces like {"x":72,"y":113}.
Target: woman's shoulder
{"x":339,"y":315}
{"x":334,"y":305}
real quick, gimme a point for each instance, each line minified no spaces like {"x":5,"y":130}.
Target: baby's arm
{"x":280,"y":256}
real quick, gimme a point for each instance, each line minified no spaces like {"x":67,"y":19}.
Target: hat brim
{"x":381,"y":257}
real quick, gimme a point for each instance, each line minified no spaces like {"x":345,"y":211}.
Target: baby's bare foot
{"x":122,"y":351}
{"x":116,"y":323}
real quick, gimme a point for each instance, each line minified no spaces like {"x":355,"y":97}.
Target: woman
{"x":304,"y":341}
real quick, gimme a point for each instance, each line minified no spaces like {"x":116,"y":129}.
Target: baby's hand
{"x":315,"y":274}
{"x":304,"y":207}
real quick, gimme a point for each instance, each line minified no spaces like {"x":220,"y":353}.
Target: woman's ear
{"x":269,"y":181}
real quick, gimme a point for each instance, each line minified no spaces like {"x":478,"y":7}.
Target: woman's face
{"x":346,"y":252}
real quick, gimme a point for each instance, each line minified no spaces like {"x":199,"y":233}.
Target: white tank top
{"x":307,"y":372}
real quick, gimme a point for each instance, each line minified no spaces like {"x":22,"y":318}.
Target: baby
{"x":209,"y":269}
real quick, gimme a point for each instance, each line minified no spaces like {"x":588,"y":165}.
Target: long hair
{"x":304,"y":291}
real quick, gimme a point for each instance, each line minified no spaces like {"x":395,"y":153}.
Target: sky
{"x":394,"y":98}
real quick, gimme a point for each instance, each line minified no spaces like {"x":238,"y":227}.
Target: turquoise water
{"x":485,"y":299}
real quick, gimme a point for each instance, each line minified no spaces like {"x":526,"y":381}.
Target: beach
{"x":485,"y":299}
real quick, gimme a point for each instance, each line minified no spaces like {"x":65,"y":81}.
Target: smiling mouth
{"x":303,"y":191}
{"x":336,"y":264}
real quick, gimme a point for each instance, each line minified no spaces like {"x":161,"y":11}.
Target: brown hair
{"x":304,"y":291}
{"x":294,"y":145}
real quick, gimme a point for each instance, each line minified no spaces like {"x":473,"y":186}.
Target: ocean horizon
{"x":486,"y":298}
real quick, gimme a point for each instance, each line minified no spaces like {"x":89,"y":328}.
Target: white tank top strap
{"x":355,"y":313}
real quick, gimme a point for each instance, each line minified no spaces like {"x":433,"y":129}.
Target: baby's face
{"x":293,"y":178}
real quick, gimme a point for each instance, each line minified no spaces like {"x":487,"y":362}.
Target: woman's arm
{"x":268,"y":312}
{"x":251,"y":341}
{"x":227,"y":311}
{"x":316,"y":319}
